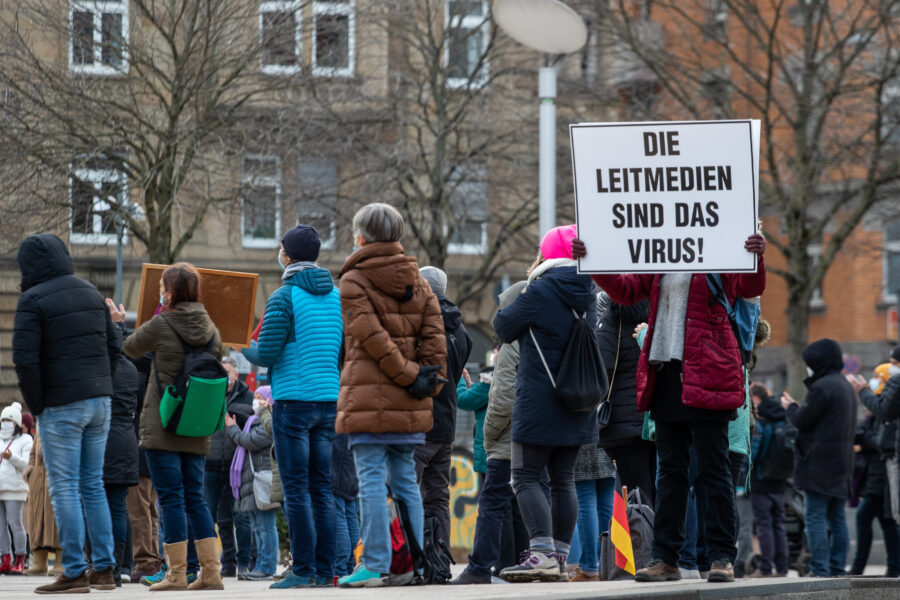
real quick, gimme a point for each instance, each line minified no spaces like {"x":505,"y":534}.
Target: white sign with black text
{"x":666,"y":197}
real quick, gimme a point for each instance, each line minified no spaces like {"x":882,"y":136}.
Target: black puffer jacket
{"x":120,"y":465}
{"x":343,"y":470}
{"x":64,"y":343}
{"x":615,"y":336}
{"x":459,"y":346}
{"x":769,"y":413}
{"x":826,"y":424}
{"x":875,"y":474}
{"x":221,"y":449}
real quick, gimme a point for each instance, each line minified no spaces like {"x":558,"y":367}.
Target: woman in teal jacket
{"x":475,"y":399}
{"x":300,"y":342}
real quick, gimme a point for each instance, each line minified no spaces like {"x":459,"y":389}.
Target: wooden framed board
{"x":229,"y":298}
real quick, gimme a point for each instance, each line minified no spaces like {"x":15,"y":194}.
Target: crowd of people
{"x":354,"y":429}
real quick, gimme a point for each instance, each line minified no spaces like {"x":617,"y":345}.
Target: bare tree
{"x":123,"y":111}
{"x":823,"y":79}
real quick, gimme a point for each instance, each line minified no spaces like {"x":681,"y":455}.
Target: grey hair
{"x":378,"y":222}
{"x":230,"y":361}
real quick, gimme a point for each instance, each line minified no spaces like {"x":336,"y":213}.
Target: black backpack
{"x":777,"y":461}
{"x":434,"y":559}
{"x":581,"y":383}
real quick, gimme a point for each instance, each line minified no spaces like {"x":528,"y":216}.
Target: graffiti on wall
{"x":464,"y":489}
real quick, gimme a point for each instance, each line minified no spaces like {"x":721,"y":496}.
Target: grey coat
{"x":502,"y":396}
{"x":258,"y":443}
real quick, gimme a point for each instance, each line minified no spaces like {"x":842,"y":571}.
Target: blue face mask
{"x":278,"y":260}
{"x":162,"y":299}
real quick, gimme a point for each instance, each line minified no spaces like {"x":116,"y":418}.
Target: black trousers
{"x":636,"y":463}
{"x":673,"y":443}
{"x":433,"y":461}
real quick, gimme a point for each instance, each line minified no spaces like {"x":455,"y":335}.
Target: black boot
{"x":119,"y":555}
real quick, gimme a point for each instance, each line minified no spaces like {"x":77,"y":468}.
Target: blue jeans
{"x":595,"y":507}
{"x":377,"y":464}
{"x":825,"y":518}
{"x":178,"y":479}
{"x":74,"y":440}
{"x":347,"y":523}
{"x":303,"y":433}
{"x":262,"y":523}
{"x":233,"y":526}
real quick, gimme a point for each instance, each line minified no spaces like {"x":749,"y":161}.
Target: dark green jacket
{"x":475,"y":399}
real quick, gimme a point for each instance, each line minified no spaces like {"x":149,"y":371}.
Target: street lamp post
{"x":553,"y":28}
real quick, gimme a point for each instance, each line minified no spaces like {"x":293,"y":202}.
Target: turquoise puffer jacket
{"x":301,"y":338}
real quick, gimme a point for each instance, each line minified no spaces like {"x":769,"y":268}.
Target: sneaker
{"x":284,"y":573}
{"x":242,"y":573}
{"x":258,"y":576}
{"x":229,"y":571}
{"x":721,"y":571}
{"x":138,"y":574}
{"x":363,"y":577}
{"x":191,"y":577}
{"x":403,"y":579}
{"x":322,"y":581}
{"x":580,"y":576}
{"x":658,"y":570}
{"x":689,"y":573}
{"x":564,"y":569}
{"x":469,"y":578}
{"x":103,"y":580}
{"x":293,"y":581}
{"x":535,"y":566}
{"x":64,"y":585}
{"x":149,"y":580}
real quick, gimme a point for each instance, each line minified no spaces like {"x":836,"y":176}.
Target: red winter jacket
{"x":711,"y":367}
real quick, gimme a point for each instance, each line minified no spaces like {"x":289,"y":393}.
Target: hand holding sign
{"x":755,"y":244}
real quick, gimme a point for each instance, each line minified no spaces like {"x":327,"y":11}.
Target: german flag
{"x":619,"y":532}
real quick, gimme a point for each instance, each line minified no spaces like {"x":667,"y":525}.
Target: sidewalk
{"x":793,"y":588}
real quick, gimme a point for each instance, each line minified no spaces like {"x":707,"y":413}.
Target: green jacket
{"x":475,"y":399}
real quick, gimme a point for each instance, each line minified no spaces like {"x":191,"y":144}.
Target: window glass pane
{"x":893,"y":273}
{"x":82,"y":206}
{"x":260,"y":204}
{"x":465,"y":50}
{"x":332,"y":41}
{"x":82,"y":38}
{"x":892,"y":232}
{"x":318,"y":194}
{"x":469,"y":204}
{"x":279,"y":38}
{"x":466,"y":8}
{"x":110,"y":191}
{"x":112,"y":39}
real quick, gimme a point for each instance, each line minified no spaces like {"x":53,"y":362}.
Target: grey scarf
{"x":296,"y":267}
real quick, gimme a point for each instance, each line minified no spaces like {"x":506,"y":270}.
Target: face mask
{"x":256,"y":405}
{"x":894,"y":370}
{"x":810,"y":372}
{"x":874,"y":384}
{"x":162,"y":299}
{"x":278,"y":260}
{"x":6,"y":429}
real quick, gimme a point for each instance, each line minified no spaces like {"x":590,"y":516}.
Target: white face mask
{"x":256,"y":405}
{"x":810,"y":372}
{"x":894,"y":370}
{"x":874,"y":384}
{"x":7,"y":428}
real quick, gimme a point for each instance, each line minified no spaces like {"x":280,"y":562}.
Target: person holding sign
{"x":690,"y":379}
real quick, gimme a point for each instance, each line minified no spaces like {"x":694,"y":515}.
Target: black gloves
{"x":425,"y":382}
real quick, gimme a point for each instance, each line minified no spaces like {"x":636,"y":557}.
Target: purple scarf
{"x":237,"y":463}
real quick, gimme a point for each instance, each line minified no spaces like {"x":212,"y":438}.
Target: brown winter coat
{"x":392,"y":325}
{"x":194,"y":325}
{"x":40,"y":522}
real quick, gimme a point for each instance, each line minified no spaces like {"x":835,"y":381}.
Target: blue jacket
{"x":301,"y":338}
{"x":546,"y":307}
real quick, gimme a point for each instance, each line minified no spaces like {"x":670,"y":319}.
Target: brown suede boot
{"x":64,"y":585}
{"x":176,"y":576}
{"x":658,"y":570}
{"x":38,"y":564}
{"x":210,"y":577}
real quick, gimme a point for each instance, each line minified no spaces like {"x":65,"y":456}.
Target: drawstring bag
{"x":581,"y":383}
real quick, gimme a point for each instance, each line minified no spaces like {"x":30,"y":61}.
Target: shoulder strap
{"x":714,"y":280}
{"x":543,"y":360}
{"x":187,"y":350}
{"x":616,"y":366}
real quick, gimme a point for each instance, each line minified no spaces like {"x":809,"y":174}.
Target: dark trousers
{"x":178,"y":478}
{"x":234,"y":528}
{"x":673,"y":443}
{"x":636,"y":463}
{"x":513,"y":537}
{"x":433,"y":474}
{"x":494,"y":506}
{"x":550,"y":524}
{"x":768,"y":513}
{"x":871,"y":508}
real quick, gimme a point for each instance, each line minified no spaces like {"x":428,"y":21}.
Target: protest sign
{"x":666,"y":197}
{"x":228,"y":296}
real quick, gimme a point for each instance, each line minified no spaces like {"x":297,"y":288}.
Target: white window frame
{"x":888,"y":247}
{"x":248,"y":241}
{"x":97,"y":8}
{"x":468,"y":22}
{"x":480,"y":175}
{"x":282,"y":6}
{"x":348,"y":9}
{"x":97,"y":177}
{"x":817,"y":300}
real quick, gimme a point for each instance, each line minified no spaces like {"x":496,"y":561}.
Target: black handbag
{"x":581,"y":383}
{"x":604,"y":411}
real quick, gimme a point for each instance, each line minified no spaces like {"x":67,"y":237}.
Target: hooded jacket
{"x":769,"y":414}
{"x":64,"y":341}
{"x":158,"y":335}
{"x":620,"y":355}
{"x":13,"y":484}
{"x":300,"y":339}
{"x":826,"y":424}
{"x":120,"y":465}
{"x":545,"y":307}
{"x":258,"y":444}
{"x":392,"y":326}
{"x":502,"y":395}
{"x":712,"y":377}
{"x":885,"y":406}
{"x":221,"y":449}
{"x":459,"y":346}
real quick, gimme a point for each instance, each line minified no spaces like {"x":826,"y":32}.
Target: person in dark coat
{"x":885,"y":406}
{"x":545,"y":434}
{"x":826,"y":425}
{"x":345,"y":487}
{"x":120,"y":465}
{"x":234,"y":528}
{"x":635,"y":457}
{"x":433,"y":457}
{"x":65,"y":347}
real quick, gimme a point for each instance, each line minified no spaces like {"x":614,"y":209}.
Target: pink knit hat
{"x":557,"y":243}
